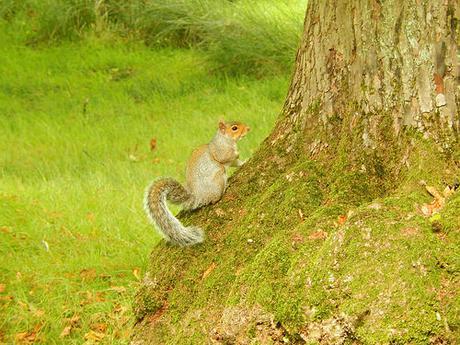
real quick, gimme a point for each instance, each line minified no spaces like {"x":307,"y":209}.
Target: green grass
{"x":75,"y":125}
{"x":241,"y":37}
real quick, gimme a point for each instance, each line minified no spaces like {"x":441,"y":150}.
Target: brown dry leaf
{"x":94,"y":336}
{"x":104,"y":276}
{"x":23,"y":305}
{"x":38,"y":312}
{"x":429,"y":209}
{"x":30,"y":336}
{"x":342,"y":219}
{"x":2,"y":288}
{"x":137,"y":273}
{"x":66,"y":331}
{"x":119,"y":309}
{"x":92,"y":298}
{"x":448,"y":191}
{"x":88,"y":274}
{"x":297,"y":238}
{"x":318,"y":235}
{"x":433,"y":192}
{"x":436,"y":204}
{"x":99,"y":327}
{"x":209,"y":270}
{"x":410,"y":231}
{"x":5,"y":229}
{"x":153,"y":144}
{"x":25,"y":337}
{"x":6,"y":298}
{"x":119,"y":289}
{"x":122,"y":334}
{"x":74,"y":320}
{"x":71,"y":323}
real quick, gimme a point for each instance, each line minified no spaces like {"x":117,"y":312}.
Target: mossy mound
{"x":295,"y":255}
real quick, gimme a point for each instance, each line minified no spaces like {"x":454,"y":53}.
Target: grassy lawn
{"x":76,"y":121}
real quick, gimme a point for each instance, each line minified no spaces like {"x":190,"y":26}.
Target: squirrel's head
{"x":234,"y":130}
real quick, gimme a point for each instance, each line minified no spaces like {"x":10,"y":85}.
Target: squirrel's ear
{"x":222,"y":126}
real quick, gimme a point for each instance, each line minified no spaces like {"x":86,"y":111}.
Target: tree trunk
{"x":366,"y":67}
{"x":327,"y":235}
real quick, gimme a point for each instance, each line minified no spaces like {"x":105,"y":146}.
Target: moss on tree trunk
{"x":321,"y":236}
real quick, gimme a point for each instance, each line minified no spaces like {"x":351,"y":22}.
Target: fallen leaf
{"x":6,"y":298}
{"x":439,"y":199}
{"x":104,"y":276}
{"x":25,"y":337}
{"x":297,"y":238}
{"x":122,"y":334}
{"x":119,"y":289}
{"x":153,"y":144}
{"x":23,"y":305}
{"x":88,"y":274}
{"x":449,"y":190}
{"x":209,"y":270}
{"x":434,"y":206}
{"x":38,"y":312}
{"x":119,"y":309}
{"x":92,"y":298}
{"x":66,"y":331}
{"x":342,"y":219}
{"x":410,"y":231}
{"x":99,"y":327}
{"x":5,"y":229}
{"x":30,"y":336}
{"x":94,"y":336}
{"x":2,"y":288}
{"x":74,"y":320}
{"x":433,"y":192}
{"x":318,"y":235}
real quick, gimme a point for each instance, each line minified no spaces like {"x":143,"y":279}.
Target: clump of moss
{"x":315,"y":250}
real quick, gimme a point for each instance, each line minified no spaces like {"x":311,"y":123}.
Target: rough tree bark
{"x":326,"y":235}
{"x":371,"y":63}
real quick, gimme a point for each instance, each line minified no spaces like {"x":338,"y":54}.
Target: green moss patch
{"x":314,"y":256}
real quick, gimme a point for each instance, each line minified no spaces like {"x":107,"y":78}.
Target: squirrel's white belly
{"x":209,"y":182}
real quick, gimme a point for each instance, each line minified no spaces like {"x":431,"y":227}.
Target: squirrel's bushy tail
{"x":157,"y":210}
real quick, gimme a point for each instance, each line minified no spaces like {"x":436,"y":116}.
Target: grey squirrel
{"x":206,"y":181}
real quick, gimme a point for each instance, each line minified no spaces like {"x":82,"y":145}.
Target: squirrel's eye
{"x":234,"y":128}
